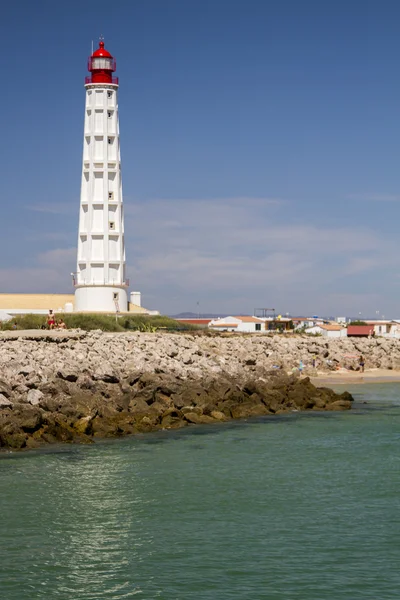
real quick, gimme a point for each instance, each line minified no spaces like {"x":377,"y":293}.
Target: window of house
{"x":258,"y":326}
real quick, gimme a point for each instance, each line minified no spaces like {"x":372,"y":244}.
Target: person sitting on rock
{"x":61,"y":324}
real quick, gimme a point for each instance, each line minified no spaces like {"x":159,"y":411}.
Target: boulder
{"x":5,"y":389}
{"x":339,"y":405}
{"x":195,"y":418}
{"x":248,"y":409}
{"x":28,"y":418}
{"x":84,"y":425}
{"x":218,"y":415}
{"x":68,"y":374}
{"x":27,"y":370}
{"x":34,"y":397}
{"x":5,"y":402}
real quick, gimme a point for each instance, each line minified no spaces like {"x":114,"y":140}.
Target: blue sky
{"x":260,"y":150}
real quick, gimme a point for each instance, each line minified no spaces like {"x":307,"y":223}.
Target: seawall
{"x":76,"y":386}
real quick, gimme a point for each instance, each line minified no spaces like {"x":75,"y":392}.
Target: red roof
{"x":101,"y":51}
{"x":360,"y":330}
{"x":195,"y":321}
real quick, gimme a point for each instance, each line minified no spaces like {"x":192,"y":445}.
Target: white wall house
{"x":277,"y":323}
{"x":304,"y":322}
{"x":331,"y":331}
{"x":385,"y":328}
{"x":241,"y":323}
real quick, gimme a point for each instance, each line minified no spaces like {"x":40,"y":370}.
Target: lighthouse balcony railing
{"x":88,"y":80}
{"x":77,"y":282}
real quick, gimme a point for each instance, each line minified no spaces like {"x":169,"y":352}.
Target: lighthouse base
{"x":101,"y":298}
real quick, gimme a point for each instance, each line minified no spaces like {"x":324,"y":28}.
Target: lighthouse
{"x":100,"y":282}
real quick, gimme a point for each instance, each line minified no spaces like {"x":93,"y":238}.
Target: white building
{"x":304,"y":322}
{"x":331,"y":331}
{"x":100,"y":282}
{"x":277,"y":323}
{"x":4,"y":316}
{"x":385,"y":328}
{"x":241,"y":323}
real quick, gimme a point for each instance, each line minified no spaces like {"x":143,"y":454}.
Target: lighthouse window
{"x":109,"y":114}
{"x":102,"y":63}
{"x":111,"y":195}
{"x":111,"y":225}
{"x":110,"y":140}
{"x":109,"y":94}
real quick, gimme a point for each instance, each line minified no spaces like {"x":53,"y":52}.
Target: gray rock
{"x":5,"y":389}
{"x":5,"y":402}
{"x":68,"y":374}
{"x":27,"y":370}
{"x":34,"y":397}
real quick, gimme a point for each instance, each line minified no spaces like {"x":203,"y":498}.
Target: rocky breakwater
{"x":76,"y":386}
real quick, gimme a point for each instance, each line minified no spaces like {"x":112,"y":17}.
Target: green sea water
{"x":297,"y":507}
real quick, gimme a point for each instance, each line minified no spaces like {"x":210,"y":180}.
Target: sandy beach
{"x":343,"y":376}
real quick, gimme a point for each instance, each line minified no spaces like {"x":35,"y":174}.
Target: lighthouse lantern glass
{"x":102,"y":63}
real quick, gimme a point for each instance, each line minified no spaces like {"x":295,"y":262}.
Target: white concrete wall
{"x":334,"y":334}
{"x":382,"y":329}
{"x":313,"y":330}
{"x":249,"y":327}
{"x":100,"y":299}
{"x":136,"y":298}
{"x":101,"y":249}
{"x":241,"y":325}
{"x":326,"y":332}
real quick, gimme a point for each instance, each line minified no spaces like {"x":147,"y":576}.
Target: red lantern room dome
{"x":101,"y":51}
{"x":101,"y":64}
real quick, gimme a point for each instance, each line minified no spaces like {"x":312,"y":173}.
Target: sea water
{"x":303,"y":506}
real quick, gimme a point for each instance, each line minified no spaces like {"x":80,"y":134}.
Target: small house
{"x":240,"y":323}
{"x":328,"y":330}
{"x":360,"y":331}
{"x":384,"y":328}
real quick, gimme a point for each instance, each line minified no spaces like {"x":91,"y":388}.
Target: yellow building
{"x":40,"y":304}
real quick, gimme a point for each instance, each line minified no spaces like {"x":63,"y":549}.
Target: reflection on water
{"x":296,"y":507}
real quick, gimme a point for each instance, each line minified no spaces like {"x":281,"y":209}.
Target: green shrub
{"x":29,"y":321}
{"x":6,"y":325}
{"x":92,"y":321}
{"x":151,"y":323}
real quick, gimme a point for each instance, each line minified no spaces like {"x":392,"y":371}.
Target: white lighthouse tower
{"x":100,"y":283}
